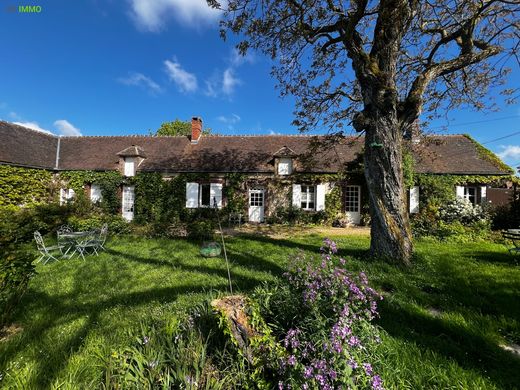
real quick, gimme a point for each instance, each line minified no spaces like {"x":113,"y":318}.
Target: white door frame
{"x":353,"y":216}
{"x":256,"y":210}
{"x":128,"y":201}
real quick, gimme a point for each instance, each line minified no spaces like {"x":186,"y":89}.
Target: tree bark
{"x":390,"y":226}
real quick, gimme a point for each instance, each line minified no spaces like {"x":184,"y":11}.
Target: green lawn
{"x":444,"y":319}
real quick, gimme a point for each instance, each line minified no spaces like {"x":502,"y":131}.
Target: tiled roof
{"x":454,"y":154}
{"x":25,"y":147}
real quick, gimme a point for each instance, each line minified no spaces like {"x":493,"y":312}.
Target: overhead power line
{"x":500,"y":138}
{"x":476,"y":122}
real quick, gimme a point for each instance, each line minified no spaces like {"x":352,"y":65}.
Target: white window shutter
{"x":414,"y":199}
{"x":129,"y":166}
{"x":483,"y":195}
{"x":216,"y":193}
{"x":460,"y":192}
{"x":95,"y":193}
{"x":192,"y":195}
{"x":297,"y":195}
{"x":63,"y":196}
{"x":71,"y":194}
{"x":320,"y":197}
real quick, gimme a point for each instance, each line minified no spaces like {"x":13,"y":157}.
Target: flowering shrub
{"x":463,"y":211}
{"x":325,"y":313}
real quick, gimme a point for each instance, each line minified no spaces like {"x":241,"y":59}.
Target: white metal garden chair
{"x":46,"y":252}
{"x":102,"y":237}
{"x":89,"y":243}
{"x":65,"y":241}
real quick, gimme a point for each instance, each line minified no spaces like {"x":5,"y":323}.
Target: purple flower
{"x":368,"y":368}
{"x":377,"y":383}
{"x":291,"y":360}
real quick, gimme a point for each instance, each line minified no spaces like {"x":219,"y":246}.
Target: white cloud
{"x":15,"y":116}
{"x":272,"y":132}
{"x":66,"y":128}
{"x":32,"y":125}
{"x":509,"y":152}
{"x":187,"y":82}
{"x":210,"y":88}
{"x":140,"y":80}
{"x":152,"y":15}
{"x":229,"y":81}
{"x":229,"y":120}
{"x":237,"y":60}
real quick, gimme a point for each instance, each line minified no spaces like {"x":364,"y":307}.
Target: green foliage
{"x":490,"y":156}
{"x":116,"y":223}
{"x":173,"y":355}
{"x":16,"y":269}
{"x":18,"y":225}
{"x":177,"y":128}
{"x":109,"y":182}
{"x":408,"y":168}
{"x":24,"y":186}
{"x":235,"y":193}
{"x":202,"y":229}
{"x":333,"y":206}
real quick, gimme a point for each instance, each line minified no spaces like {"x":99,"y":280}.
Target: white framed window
{"x":470,"y":193}
{"x":203,"y":195}
{"x":129,"y":166}
{"x":352,"y":198}
{"x":66,"y":195}
{"x":256,"y":197}
{"x":308,"y":197}
{"x":95,"y":193}
{"x":285,"y":166}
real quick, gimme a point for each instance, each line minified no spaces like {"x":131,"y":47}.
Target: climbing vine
{"x":108,"y":181}
{"x":24,"y":186}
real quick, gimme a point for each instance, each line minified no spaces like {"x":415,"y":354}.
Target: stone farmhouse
{"x":281,"y":170}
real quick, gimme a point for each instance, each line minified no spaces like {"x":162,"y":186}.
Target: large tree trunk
{"x":390,"y":227}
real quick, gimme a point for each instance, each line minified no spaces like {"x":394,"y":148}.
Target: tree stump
{"x":234,"y":309}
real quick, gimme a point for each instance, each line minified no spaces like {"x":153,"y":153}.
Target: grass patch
{"x":444,"y":319}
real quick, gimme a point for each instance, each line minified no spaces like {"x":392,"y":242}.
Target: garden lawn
{"x":444,"y":320}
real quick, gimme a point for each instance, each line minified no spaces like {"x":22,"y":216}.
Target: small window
{"x":205,"y":195}
{"x":285,"y":166}
{"x":470,"y":193}
{"x":308,"y":196}
{"x":95,"y":193}
{"x":129,"y":166}
{"x":352,"y":199}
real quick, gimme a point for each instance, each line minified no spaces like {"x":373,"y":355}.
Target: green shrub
{"x":18,"y":225}
{"x":116,"y":223}
{"x":201,"y":229}
{"x":16,"y":269}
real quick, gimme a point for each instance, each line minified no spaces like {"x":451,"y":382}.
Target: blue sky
{"x":109,"y":67}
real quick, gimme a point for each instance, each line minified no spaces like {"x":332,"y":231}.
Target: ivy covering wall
{"x":24,"y":186}
{"x":109,"y":183}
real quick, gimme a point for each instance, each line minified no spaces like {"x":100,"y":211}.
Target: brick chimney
{"x":196,"y":129}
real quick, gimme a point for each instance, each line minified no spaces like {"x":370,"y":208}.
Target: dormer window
{"x":129,"y":166}
{"x":130,"y":159}
{"x":284,"y":166}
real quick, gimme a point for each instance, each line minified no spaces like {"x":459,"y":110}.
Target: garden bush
{"x":116,"y":223}
{"x":463,"y":211}
{"x":458,"y":220}
{"x":17,"y":225}
{"x":16,"y":270}
{"x":322,"y":317}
